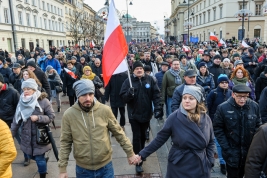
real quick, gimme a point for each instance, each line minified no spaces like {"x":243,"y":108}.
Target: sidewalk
{"x":155,"y":166}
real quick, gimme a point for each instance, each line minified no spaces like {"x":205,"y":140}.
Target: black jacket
{"x":263,"y":105}
{"x":216,"y":70}
{"x":9,"y":99}
{"x":177,"y":96}
{"x":79,"y":69}
{"x":260,"y":68}
{"x":246,"y":59}
{"x":86,"y":57}
{"x":5,"y":71}
{"x":15,"y":80}
{"x":113,"y":89}
{"x":234,"y":128}
{"x":139,"y":105}
{"x":261,"y":83}
{"x":43,"y":80}
{"x":97,"y":70}
{"x":68,"y":82}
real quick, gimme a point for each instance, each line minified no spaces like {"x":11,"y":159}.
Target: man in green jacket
{"x":86,"y":126}
{"x":171,"y":79}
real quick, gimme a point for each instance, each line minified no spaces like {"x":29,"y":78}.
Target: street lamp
{"x":69,"y":42}
{"x":128,"y":26}
{"x":243,"y":15}
{"x":188,"y":24}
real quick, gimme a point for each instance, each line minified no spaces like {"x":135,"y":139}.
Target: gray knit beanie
{"x":48,"y":68}
{"x":29,"y":83}
{"x":83,"y":86}
{"x":194,"y":91}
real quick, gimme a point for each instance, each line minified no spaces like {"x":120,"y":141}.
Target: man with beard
{"x":86,"y":126}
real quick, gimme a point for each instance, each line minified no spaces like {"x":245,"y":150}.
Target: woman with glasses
{"x":33,"y":109}
{"x":241,"y":76}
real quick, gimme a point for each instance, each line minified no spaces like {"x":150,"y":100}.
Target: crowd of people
{"x":213,"y":98}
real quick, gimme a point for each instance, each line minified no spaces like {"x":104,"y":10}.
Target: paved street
{"x":155,"y":166}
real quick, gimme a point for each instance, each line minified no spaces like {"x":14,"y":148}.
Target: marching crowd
{"x":213,"y":98}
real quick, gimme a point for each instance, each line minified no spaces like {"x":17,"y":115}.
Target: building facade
{"x":217,"y":16}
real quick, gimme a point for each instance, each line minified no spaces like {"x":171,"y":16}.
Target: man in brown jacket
{"x":86,"y":126}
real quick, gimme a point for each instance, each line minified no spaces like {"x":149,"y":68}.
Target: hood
{"x":42,"y":96}
{"x":231,"y":66}
{"x":262,"y":76}
{"x":96,"y":105}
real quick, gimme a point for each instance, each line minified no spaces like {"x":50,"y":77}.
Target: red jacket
{"x":261,"y":58}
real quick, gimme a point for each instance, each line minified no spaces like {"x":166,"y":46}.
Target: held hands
{"x":131,"y":91}
{"x":63,"y":175}
{"x":135,"y":159}
{"x":34,"y":118}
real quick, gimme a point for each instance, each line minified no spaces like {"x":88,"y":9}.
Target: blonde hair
{"x":195,"y":117}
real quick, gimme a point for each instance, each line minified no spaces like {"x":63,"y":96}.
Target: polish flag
{"x":70,"y":73}
{"x":245,"y":45}
{"x":201,"y":51}
{"x":115,"y":46}
{"x":222,"y":43}
{"x":162,"y":41}
{"x":186,"y":49}
{"x":213,"y":37}
{"x":92,"y":44}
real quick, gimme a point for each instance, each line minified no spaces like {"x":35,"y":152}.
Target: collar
{"x":4,"y":87}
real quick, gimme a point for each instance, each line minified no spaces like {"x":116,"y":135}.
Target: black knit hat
{"x":236,"y":55}
{"x":147,"y":68}
{"x":2,"y":78}
{"x":201,"y":64}
{"x":31,"y":63}
{"x":217,"y":57}
{"x":182,"y":56}
{"x":137,"y":64}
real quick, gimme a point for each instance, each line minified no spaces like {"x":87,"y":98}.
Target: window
{"x":43,"y":3}
{"x":200,"y":6}
{"x":209,"y":2}
{"x":49,"y":24}
{"x":214,"y":14}
{"x":221,"y":12}
{"x":34,"y":2}
{"x":45,"y":25}
{"x":241,"y":6}
{"x":62,"y":27}
{"x":208,"y":16}
{"x":257,"y":33}
{"x":48,"y":7}
{"x":69,"y":11}
{"x":41,"y":22}
{"x":53,"y":26}
{"x":220,"y":34}
{"x":52,"y":10}
{"x":6,"y":15}
{"x":61,"y":12}
{"x":67,"y":25}
{"x":66,"y":10}
{"x":258,"y":9}
{"x":27,"y":1}
{"x":55,"y":10}
{"x":204,"y":4}
{"x":197,"y":20}
{"x":35,"y":21}
{"x":28,"y":19}
{"x":58,"y":11}
{"x":20,"y":17}
{"x":200,"y":20}
{"x":204,"y":18}
{"x":39,"y":3}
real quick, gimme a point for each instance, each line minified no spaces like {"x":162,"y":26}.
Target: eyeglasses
{"x":241,"y":97}
{"x":87,"y":70}
{"x":224,"y":82}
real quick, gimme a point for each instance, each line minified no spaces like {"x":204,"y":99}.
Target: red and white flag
{"x":162,"y":41}
{"x":186,"y":49}
{"x":70,"y":73}
{"x":213,"y":37}
{"x":222,"y":43}
{"x":201,"y":51}
{"x":92,"y":44}
{"x":115,"y":46}
{"x":245,"y":45}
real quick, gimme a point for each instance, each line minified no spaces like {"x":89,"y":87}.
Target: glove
{"x":131,"y":91}
{"x":158,"y":113}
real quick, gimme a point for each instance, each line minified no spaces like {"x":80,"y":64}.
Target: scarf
{"x":26,"y":106}
{"x":90,"y":77}
{"x":186,"y":66}
{"x":175,"y":73}
{"x":73,"y":69}
{"x":238,"y":81}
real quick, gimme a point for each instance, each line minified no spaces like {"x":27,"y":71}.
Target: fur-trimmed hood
{"x":231,"y":66}
{"x":42,"y":96}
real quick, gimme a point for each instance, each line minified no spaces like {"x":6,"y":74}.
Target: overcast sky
{"x":144,"y":10}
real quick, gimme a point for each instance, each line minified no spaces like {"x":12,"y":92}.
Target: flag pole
{"x":129,"y":75}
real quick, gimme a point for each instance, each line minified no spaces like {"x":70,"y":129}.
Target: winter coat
{"x":246,"y":59}
{"x":89,"y":135}
{"x":263,"y":105}
{"x":43,"y":80}
{"x":261,"y":83}
{"x":86,"y":57}
{"x":261,"y":58}
{"x":215,"y":98}
{"x":168,"y":84}
{"x":209,"y":63}
{"x":7,"y":149}
{"x":257,"y":154}
{"x":188,"y":66}
{"x":54,"y":80}
{"x":97,"y":70}
{"x":234,"y":128}
{"x":159,"y":77}
{"x":79,"y":69}
{"x":178,"y":93}
{"x":9,"y":99}
{"x":5,"y":71}
{"x":216,"y":70}
{"x":15,"y":80}
{"x":249,"y":84}
{"x":28,"y":132}
{"x":192,"y":151}
{"x":260,"y":68}
{"x":68,"y":82}
{"x":112,"y":90}
{"x":206,"y":82}
{"x":228,"y":70}
{"x":52,"y":62}
{"x":139,"y":105}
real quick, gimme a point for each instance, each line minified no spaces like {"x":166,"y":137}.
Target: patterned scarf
{"x":175,"y":73}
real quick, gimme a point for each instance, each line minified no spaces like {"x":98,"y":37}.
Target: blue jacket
{"x":159,"y":77}
{"x":215,"y":98}
{"x":207,"y":83}
{"x":54,"y":63}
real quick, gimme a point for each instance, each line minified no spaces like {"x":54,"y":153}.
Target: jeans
{"x":104,"y":172}
{"x":40,"y":161}
{"x":122,"y":114}
{"x":219,"y":149}
{"x":57,"y":100}
{"x":169,"y":103}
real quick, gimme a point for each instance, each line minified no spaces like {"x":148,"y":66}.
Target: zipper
{"x":90,"y":139}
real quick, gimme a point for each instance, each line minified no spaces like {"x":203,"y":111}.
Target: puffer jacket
{"x":139,"y":105}
{"x":263,"y":105}
{"x":261,"y":83}
{"x":28,"y":134}
{"x":89,"y":134}
{"x":168,"y":84}
{"x":234,"y":128}
{"x":216,"y":70}
{"x":206,"y":81}
{"x":5,"y":71}
{"x":8,"y":151}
